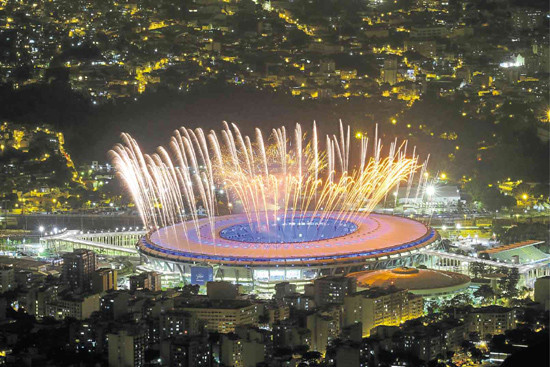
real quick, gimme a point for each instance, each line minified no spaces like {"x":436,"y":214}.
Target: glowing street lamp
{"x":430,"y":190}
{"x":41,"y":229}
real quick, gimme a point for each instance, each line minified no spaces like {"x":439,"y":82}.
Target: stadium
{"x":294,"y":252}
{"x":299,"y":208}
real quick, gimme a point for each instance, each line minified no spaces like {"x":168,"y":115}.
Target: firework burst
{"x":285,"y":177}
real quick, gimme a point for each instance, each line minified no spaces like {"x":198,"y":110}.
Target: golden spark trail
{"x":274,"y":180}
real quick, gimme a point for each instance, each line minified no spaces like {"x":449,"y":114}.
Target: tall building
{"x":104,"y":280}
{"x":38,"y":297}
{"x":389,"y":71}
{"x":114,"y":305}
{"x":78,"y":267}
{"x":347,"y":355}
{"x":3,"y":306}
{"x":126,"y":348}
{"x":527,"y":18}
{"x":7,"y":279}
{"x":323,"y":329}
{"x":284,"y":289}
{"x":186,"y":351}
{"x":178,"y":322}
{"x":332,"y":289}
{"x":425,"y":342}
{"x":277,"y":312}
{"x":542,"y":292}
{"x":149,"y":280}
{"x":491,"y":320}
{"x":300,"y":301}
{"x":377,"y":306}
{"x":289,"y":334}
{"x":243,"y":349}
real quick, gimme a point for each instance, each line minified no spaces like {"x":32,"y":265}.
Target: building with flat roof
{"x":332,"y":289}
{"x":78,"y":267}
{"x":242,"y":349}
{"x":7,"y":278}
{"x":284,"y":289}
{"x":224,"y":316}
{"x":379,"y":306}
{"x":491,"y":320}
{"x":425,"y":342}
{"x":323,"y":329}
{"x":222,"y":290}
{"x":127,"y":348}
{"x":114,"y":305}
{"x":66,"y":305}
{"x":104,"y":280}
{"x":542,"y":292}
{"x":187,"y":351}
{"x":178,"y":322}
{"x":150,"y":280}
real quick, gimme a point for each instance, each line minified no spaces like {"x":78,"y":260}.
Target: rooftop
{"x":492,"y":309}
{"x":410,"y":278}
{"x":513,"y":246}
{"x":376,"y":292}
{"x":376,"y":235}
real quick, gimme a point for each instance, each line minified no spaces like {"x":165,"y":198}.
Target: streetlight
{"x":430,"y":190}
{"x":458,"y":226}
{"x":41,"y":229}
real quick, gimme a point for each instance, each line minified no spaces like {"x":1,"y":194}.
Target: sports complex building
{"x":294,"y":252}
{"x":376,"y":242}
{"x":428,"y":283}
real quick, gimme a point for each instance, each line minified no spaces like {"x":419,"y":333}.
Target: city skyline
{"x":274,"y":183}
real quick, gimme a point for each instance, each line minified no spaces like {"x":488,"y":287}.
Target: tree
{"x":510,"y":288}
{"x":432,"y":307}
{"x":300,"y":349}
{"x":485,"y":292}
{"x":493,"y":199}
{"x":476,"y":268}
{"x":460,"y":300}
{"x":476,"y":354}
{"x":297,"y":38}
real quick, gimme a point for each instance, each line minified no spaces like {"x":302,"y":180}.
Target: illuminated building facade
{"x":377,"y":306}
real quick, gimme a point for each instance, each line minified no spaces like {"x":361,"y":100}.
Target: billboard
{"x":201,"y":274}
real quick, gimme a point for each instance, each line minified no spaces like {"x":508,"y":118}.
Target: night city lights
{"x":274,"y":183}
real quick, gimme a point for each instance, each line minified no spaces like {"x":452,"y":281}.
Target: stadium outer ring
{"x":226,"y":267}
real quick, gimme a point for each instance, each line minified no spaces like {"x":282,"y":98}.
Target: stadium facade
{"x":293,"y":252}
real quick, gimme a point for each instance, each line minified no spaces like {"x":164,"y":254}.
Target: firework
{"x":277,"y":180}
